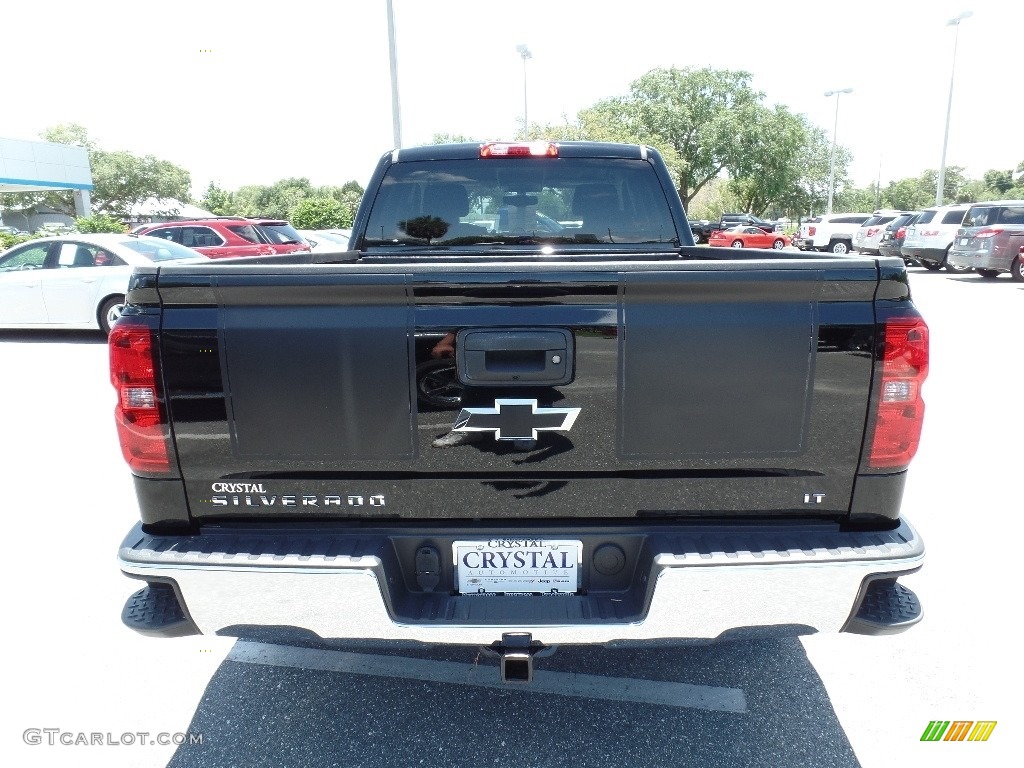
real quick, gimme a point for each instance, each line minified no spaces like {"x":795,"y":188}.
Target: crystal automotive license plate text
{"x":517,"y":566}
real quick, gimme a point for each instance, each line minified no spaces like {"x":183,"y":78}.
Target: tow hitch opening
{"x":516,"y":651}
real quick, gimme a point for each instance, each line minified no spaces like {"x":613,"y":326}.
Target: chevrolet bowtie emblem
{"x":515,"y":419}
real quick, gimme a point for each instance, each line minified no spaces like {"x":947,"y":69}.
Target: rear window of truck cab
{"x":542,"y":201}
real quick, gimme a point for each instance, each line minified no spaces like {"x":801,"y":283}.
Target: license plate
{"x":517,"y":566}
{"x":964,"y":240}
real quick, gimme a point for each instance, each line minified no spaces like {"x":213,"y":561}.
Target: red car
{"x":748,"y":237}
{"x":224,"y":237}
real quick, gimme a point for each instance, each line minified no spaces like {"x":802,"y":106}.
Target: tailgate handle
{"x":515,"y":356}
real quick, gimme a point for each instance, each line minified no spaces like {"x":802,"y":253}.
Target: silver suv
{"x":991,"y":239}
{"x":928,"y":241}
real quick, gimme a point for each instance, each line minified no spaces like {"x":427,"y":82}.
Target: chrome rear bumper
{"x":710,"y":585}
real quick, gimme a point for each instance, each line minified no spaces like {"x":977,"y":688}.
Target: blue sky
{"x":252,"y":92}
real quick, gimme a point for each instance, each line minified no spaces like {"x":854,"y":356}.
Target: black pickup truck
{"x":517,"y":437}
{"x":730,"y":220}
{"x":701,"y":229}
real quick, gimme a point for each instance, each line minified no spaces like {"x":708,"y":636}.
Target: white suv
{"x":832,"y":232}
{"x":867,"y":237}
{"x":928,"y":241}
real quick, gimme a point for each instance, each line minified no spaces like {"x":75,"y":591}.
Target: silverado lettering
{"x":556,"y":392}
{"x":289,"y":500}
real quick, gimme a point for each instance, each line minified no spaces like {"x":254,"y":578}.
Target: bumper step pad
{"x":886,"y":608}
{"x":155,"y":611}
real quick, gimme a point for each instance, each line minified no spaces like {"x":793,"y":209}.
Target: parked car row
{"x":985,"y":237}
{"x":79,"y":281}
{"x":868,"y":236}
{"x":227,"y":236}
{"x":702,"y":229}
{"x":895,"y":234}
{"x":929,"y":239}
{"x":76,"y":281}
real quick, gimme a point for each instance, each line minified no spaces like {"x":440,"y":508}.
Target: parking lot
{"x":74,"y":670}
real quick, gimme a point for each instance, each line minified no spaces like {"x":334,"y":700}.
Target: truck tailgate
{"x":700,"y":389}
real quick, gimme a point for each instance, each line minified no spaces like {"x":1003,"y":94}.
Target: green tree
{"x":999,"y":182}
{"x":218,"y":201}
{"x":99,"y":223}
{"x":955,"y":182}
{"x":854,"y":199}
{"x":694,"y":117}
{"x":123,"y":181}
{"x":810,"y":194}
{"x":698,"y":114}
{"x":73,"y":134}
{"x":318,"y":213}
{"x":973,"y":191}
{"x":715,"y":198}
{"x":568,"y":130}
{"x":765,"y":170}
{"x":275,"y":201}
{"x":913,"y":193}
{"x":349,"y":195}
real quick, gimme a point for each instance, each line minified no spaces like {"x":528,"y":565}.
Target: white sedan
{"x":76,"y":281}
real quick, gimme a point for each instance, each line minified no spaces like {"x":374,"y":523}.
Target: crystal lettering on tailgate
{"x":237,"y":488}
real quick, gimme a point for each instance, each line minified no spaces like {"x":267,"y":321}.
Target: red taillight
{"x":141,"y":427}
{"x":900,"y":409}
{"x":901,"y":233}
{"x":811,"y":231}
{"x":520,"y":149}
{"x":988,"y":232}
{"x":871,"y":231}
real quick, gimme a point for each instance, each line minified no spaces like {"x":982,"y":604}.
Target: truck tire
{"x":839,"y":246}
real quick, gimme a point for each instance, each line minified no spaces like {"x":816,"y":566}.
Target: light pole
{"x":832,"y":160}
{"x":525,"y":53}
{"x":396,"y":111}
{"x":955,"y":22}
